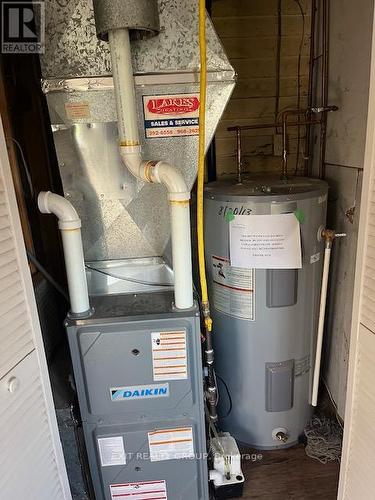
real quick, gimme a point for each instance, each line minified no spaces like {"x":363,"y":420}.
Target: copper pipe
{"x":238,"y":130}
{"x":298,"y":112}
{"x":270,"y":125}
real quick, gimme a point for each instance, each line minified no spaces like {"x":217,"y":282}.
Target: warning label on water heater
{"x":233,"y":289}
{"x":171,"y":115}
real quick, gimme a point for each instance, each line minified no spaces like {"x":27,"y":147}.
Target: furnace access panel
{"x":138,"y":371}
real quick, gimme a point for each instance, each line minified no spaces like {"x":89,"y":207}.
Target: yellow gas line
{"x":201,"y":164}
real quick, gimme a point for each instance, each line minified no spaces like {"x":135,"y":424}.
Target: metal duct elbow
{"x":70,"y":226}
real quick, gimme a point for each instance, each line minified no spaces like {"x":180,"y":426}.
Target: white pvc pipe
{"x":158,"y":172}
{"x":70,"y":226}
{"x":51,"y":203}
{"x":166,"y":174}
{"x":179,"y":197}
{"x":75,"y":270}
{"x":181,"y":254}
{"x":322,"y":310}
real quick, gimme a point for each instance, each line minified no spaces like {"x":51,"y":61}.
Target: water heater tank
{"x":265,"y":320}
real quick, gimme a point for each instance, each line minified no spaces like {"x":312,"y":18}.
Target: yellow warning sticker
{"x":77,"y":110}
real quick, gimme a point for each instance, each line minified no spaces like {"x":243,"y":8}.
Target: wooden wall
{"x":351,"y":28}
{"x":248,"y":30}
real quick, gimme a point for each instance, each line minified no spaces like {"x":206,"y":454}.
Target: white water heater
{"x":265,"y":320}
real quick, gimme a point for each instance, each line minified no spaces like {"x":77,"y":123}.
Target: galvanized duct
{"x":122,"y":217}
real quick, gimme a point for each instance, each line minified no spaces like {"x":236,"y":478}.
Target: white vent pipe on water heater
{"x":70,"y":227}
{"x":151,"y":171}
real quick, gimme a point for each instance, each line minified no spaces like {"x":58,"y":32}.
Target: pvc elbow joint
{"x":159,"y":172}
{"x":166,"y":174}
{"x":51,"y":203}
{"x":131,"y":158}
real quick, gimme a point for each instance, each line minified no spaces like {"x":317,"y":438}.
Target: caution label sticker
{"x":169,"y":355}
{"x":233,"y":289}
{"x":77,"y":110}
{"x":144,"y":490}
{"x":171,"y":115}
{"x":171,"y":444}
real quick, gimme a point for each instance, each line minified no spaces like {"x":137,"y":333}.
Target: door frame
{"x":367,"y":188}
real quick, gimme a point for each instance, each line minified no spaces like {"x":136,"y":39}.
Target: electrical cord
{"x":25,"y":166}
{"x":229,"y":397}
{"x":127,"y":278}
{"x":46,"y":274}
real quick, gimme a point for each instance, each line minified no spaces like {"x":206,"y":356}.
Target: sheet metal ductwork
{"x":123,"y":217}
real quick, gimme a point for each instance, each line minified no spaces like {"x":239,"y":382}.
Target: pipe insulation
{"x":141,"y":17}
{"x":151,"y":171}
{"x":70,"y":227}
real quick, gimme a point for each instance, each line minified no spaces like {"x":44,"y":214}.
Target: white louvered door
{"x":357,"y":475}
{"x":32,"y":466}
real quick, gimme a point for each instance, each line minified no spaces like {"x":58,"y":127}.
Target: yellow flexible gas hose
{"x":201,"y":164}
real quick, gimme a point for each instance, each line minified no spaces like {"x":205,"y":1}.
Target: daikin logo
{"x":139,"y":392}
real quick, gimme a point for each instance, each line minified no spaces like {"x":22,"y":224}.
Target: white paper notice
{"x":171,"y":444}
{"x":144,"y":490}
{"x":265,"y":242}
{"x":112,"y":451}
